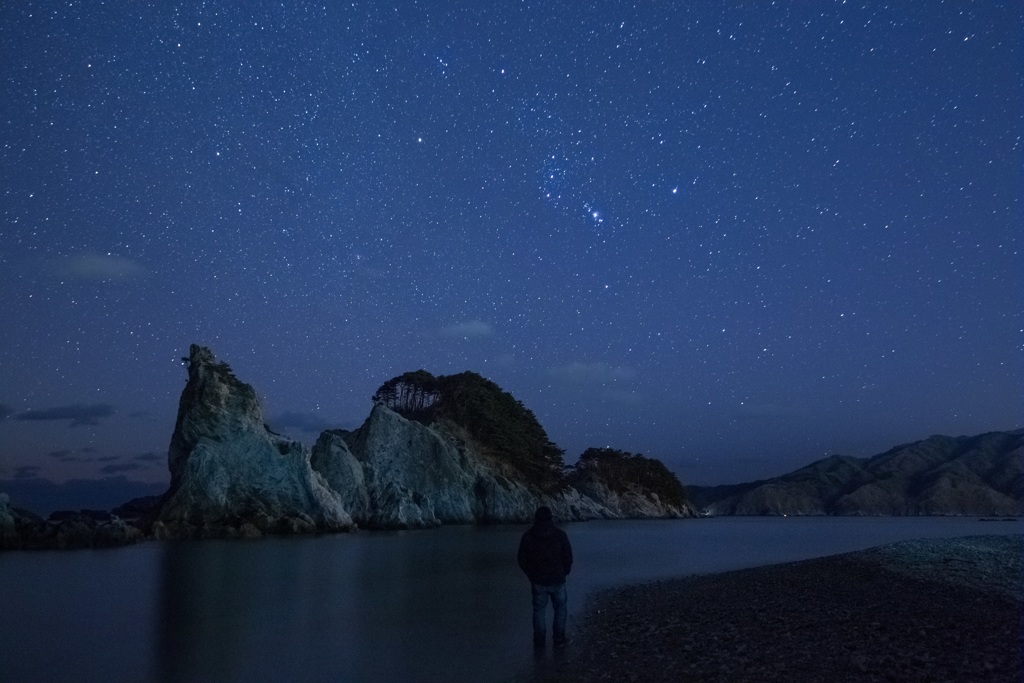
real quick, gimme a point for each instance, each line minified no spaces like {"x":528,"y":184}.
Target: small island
{"x":434,"y":450}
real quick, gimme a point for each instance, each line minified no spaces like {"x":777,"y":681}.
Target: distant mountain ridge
{"x":978,"y":475}
{"x":43,"y":496}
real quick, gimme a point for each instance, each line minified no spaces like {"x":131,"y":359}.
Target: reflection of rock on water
{"x":382,"y":606}
{"x":234,"y":611}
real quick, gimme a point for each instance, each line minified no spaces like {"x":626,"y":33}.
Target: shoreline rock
{"x":63,"y":530}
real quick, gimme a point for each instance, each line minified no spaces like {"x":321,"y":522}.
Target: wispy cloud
{"x":304,"y":422}
{"x":121,"y":467}
{"x":98,"y":267}
{"x":468,"y":329}
{"x":78,"y":414}
{"x":150,"y":456}
{"x":66,"y":456}
{"x":592,"y":373}
{"x":27,"y":472}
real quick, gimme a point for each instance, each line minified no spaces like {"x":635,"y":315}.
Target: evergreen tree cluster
{"x":621,"y":471}
{"x":411,"y":394}
{"x":501,"y":424}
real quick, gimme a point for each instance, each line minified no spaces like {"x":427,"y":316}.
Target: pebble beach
{"x":926,"y":610}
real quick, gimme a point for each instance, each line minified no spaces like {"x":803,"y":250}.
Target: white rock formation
{"x":332,"y":459}
{"x":398,"y":473}
{"x":227,"y":468}
{"x":230,"y":474}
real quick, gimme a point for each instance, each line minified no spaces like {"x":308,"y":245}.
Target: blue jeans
{"x":540,"y":604}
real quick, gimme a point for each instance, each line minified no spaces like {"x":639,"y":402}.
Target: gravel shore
{"x":929,"y":610}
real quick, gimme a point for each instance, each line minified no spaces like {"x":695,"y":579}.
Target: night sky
{"x":735,"y":236}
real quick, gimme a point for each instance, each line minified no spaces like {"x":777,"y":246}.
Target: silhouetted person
{"x":545,"y":555}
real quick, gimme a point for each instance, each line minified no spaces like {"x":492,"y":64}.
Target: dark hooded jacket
{"x":545,"y":555}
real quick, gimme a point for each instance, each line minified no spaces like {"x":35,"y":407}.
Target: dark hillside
{"x":624,"y":473}
{"x":941,"y":475}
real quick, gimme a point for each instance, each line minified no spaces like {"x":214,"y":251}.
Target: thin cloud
{"x":468,"y":329}
{"x":304,"y":422}
{"x":65,"y":455}
{"x":78,"y":414}
{"x":151,"y":456}
{"x":27,"y":472}
{"x":99,"y":268}
{"x":121,"y":467}
{"x":5,"y":411}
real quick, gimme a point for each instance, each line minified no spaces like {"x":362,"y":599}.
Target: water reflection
{"x":442,"y":605}
{"x":436,"y":605}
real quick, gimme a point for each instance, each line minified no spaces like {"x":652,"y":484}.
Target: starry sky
{"x":735,"y":236}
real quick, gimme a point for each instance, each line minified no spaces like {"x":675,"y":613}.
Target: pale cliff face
{"x":417,"y":476}
{"x":397,"y":473}
{"x":214,"y":406}
{"x":227,"y":469}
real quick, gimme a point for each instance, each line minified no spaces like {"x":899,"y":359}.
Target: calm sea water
{"x":441,"y":605}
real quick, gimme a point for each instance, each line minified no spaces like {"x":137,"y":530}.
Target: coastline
{"x":923,"y":610}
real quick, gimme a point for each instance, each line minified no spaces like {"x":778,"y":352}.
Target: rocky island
{"x":458,"y":449}
{"x":434,"y":450}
